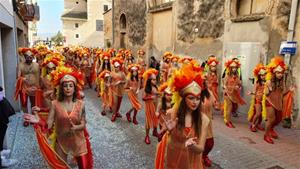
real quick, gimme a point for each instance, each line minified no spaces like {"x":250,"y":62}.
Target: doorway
{"x":123,"y":28}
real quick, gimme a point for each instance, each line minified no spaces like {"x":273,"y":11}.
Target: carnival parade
{"x":179,"y":101}
{"x":143,"y":84}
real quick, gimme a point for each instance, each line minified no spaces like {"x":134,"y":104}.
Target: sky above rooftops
{"x":50,"y":12}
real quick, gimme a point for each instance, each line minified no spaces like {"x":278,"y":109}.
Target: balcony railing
{"x":29,"y":12}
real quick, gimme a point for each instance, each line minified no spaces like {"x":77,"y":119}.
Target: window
{"x":99,"y":25}
{"x":77,"y":36}
{"x":105,"y":8}
{"x":76,"y":25}
{"x":249,"y":7}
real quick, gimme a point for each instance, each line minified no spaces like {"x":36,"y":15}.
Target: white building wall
{"x":88,"y":35}
{"x":72,"y":5}
{"x":8,"y":53}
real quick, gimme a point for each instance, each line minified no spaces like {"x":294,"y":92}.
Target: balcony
{"x":28,"y":12}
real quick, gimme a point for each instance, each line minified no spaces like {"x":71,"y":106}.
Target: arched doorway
{"x":123,"y":26}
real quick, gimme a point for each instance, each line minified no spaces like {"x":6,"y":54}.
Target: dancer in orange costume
{"x":86,"y":67}
{"x":150,"y":98}
{"x":174,"y":65}
{"x":133,"y":87}
{"x":48,"y":91}
{"x":254,"y":113}
{"x":67,"y":114}
{"x":118,"y":82}
{"x":164,"y":105}
{"x":183,"y":145}
{"x":232,"y":85}
{"x":141,"y":61}
{"x":28,"y":80}
{"x":272,"y":103}
{"x":165,"y":66}
{"x":211,"y":77}
{"x":105,"y":91}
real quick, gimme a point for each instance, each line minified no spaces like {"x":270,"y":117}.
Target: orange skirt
{"x":134,"y":100}
{"x":151,"y":119}
{"x":161,"y":153}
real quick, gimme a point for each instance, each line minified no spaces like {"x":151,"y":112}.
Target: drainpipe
{"x":291,"y":28}
{"x":113,"y":22}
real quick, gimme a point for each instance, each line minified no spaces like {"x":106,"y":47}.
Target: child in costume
{"x":272,"y":103}
{"x":254,"y":114}
{"x":150,"y":98}
{"x":133,"y":86}
{"x":232,"y":85}
{"x":105,"y":91}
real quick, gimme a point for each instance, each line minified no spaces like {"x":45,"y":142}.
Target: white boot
{"x":8,"y":162}
{"x":5,"y":152}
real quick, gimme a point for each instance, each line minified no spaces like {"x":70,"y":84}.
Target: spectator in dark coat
{"x":6,"y":110}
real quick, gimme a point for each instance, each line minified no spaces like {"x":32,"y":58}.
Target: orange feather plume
{"x":62,"y":71}
{"x":258,"y":68}
{"x":186,"y":75}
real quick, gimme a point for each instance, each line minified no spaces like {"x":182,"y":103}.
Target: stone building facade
{"x":83,"y":22}
{"x":108,"y":34}
{"x":251,"y":30}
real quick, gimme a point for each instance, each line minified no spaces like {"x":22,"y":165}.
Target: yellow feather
{"x":251,"y":108}
{"x":225,"y":111}
{"x":53,"y":138}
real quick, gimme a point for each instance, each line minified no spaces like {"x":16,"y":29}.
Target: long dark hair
{"x":134,"y":77}
{"x":260,"y":80}
{"x":204,"y":94}
{"x":196,"y":115}
{"x":164,"y":103}
{"x":148,"y":88}
{"x":61,"y":95}
{"x":104,"y":65}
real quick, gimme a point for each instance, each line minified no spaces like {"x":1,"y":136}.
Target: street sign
{"x":288,"y":48}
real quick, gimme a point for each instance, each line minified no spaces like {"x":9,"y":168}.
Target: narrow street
{"x":121,"y":144}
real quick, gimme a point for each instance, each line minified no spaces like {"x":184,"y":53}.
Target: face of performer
{"x":106,"y":61}
{"x":134,"y":72}
{"x":192,"y":102}
{"x":168,"y":96}
{"x":279,"y":75}
{"x":28,"y":58}
{"x":213,"y":68}
{"x":233,"y":69}
{"x":263,"y":76}
{"x":153,"y":80}
{"x":49,"y":70}
{"x":69,"y":88}
{"x":117,"y":68}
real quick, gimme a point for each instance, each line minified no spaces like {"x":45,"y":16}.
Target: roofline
{"x":107,"y":11}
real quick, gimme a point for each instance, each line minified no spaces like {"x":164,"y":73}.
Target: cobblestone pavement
{"x":121,"y":144}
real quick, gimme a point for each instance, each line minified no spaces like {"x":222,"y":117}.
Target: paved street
{"x":121,"y":144}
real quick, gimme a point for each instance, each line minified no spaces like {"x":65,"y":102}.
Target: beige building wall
{"x":70,"y":31}
{"x":88,"y":34}
{"x":72,"y":5}
{"x":108,"y":29}
{"x":162,"y":26}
